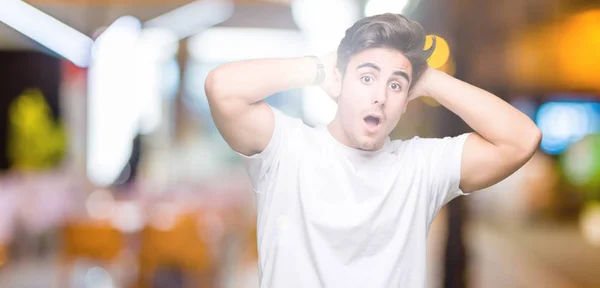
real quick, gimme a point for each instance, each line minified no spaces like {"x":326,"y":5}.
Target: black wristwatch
{"x":320,"y":70}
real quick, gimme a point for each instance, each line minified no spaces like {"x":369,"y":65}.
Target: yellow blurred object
{"x":449,"y":67}
{"x":180,"y":246}
{"x":250,"y":246}
{"x":430,"y":101}
{"x":96,"y":240}
{"x":561,"y":56}
{"x":3,"y":256}
{"x":35,"y":142}
{"x":441,"y":54}
{"x":578,"y":50}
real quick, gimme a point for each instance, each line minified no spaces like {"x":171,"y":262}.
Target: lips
{"x":372,"y":122}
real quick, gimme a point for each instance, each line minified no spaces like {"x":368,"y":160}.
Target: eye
{"x":395,"y":86}
{"x":366,"y":79}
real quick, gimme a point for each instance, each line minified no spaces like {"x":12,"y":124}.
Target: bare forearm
{"x":254,"y":80}
{"x":235,"y":92}
{"x":491,"y":117}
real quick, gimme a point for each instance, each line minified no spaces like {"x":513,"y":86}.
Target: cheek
{"x":347,"y":108}
{"x":397,"y":102}
{"x":357,"y":90}
{"x":394,"y":117}
{"x":403,"y":99}
{"x":394,"y":111}
{"x":354,"y":99}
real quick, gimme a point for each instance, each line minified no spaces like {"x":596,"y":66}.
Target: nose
{"x":379,"y":96}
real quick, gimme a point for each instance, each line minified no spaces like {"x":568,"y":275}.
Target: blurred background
{"x":112,"y":173}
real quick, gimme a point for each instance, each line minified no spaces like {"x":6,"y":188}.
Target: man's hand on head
{"x":421,"y":88}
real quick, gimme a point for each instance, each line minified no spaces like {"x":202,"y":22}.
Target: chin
{"x":370,"y":144}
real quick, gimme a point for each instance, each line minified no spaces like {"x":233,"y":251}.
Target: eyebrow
{"x":397,"y":72}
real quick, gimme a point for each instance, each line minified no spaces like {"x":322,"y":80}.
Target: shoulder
{"x":424,"y":149}
{"x":284,"y":119}
{"x":424,"y":144}
{"x":293,"y":129}
{"x":412,"y":145}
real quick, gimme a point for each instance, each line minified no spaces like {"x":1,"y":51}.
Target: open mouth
{"x":372,"y":121}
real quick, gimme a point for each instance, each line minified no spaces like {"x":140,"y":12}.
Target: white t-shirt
{"x":333,"y":216}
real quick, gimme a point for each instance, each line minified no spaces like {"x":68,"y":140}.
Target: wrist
{"x":431,"y":79}
{"x":319,"y":68}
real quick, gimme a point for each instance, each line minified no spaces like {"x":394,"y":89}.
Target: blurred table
{"x":540,"y":255}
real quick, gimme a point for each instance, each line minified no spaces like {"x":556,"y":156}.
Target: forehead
{"x":385,"y":58}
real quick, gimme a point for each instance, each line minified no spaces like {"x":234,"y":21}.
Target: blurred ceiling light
{"x":324,"y":22}
{"x":49,"y":32}
{"x":125,"y":92}
{"x":154,"y":48}
{"x":158,"y":43}
{"x":193,"y":17}
{"x":376,"y":7}
{"x":309,"y":15}
{"x":222,"y":44}
{"x":125,"y":28}
{"x":112,"y":101}
{"x":441,"y":54}
{"x":317,"y":107}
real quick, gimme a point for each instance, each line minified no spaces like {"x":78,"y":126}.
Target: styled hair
{"x":388,"y":30}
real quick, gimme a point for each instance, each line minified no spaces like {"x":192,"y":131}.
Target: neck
{"x":337,"y":131}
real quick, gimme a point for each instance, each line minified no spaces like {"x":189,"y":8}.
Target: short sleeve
{"x":442,"y":168}
{"x":261,"y":166}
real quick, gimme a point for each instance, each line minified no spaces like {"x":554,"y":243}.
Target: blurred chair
{"x":250,"y":247}
{"x":180,"y":248}
{"x":93,"y":240}
{"x":3,"y":254}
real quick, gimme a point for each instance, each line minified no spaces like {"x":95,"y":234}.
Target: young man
{"x":343,"y":205}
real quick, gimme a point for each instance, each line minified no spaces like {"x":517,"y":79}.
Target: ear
{"x":336,"y":90}
{"x":405,"y":104}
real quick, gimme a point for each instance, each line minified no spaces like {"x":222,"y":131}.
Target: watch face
{"x":320,"y":70}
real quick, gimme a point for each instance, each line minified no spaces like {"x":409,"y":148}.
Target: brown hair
{"x":386,"y":30}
